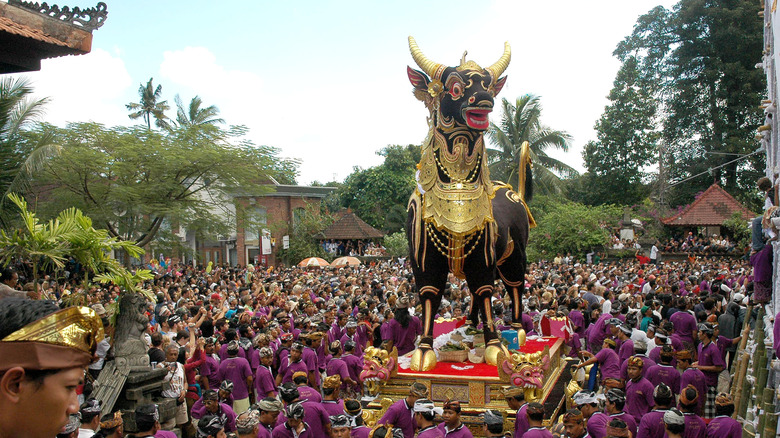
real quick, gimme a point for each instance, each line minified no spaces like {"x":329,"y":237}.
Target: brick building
{"x":283,"y":204}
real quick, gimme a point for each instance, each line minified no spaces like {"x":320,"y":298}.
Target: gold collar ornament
{"x":64,"y":339}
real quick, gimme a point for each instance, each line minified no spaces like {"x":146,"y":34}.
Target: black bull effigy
{"x":459,"y":220}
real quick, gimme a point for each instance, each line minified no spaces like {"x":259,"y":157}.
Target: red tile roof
{"x":10,"y":26}
{"x":712,"y":208}
{"x":349,"y":226}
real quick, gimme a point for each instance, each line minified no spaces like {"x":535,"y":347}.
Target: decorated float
{"x":536,"y":367}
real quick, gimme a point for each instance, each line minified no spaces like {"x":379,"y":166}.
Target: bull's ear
{"x":418,"y":79}
{"x":500,"y":84}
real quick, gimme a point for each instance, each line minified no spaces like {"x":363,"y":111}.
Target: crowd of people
{"x":354,"y":248}
{"x":278,"y":352}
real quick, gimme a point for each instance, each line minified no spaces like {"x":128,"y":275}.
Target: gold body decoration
{"x":463,"y":205}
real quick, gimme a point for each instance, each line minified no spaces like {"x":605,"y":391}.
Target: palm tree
{"x":149,"y":106}
{"x":194,"y":115}
{"x":21,"y":156}
{"x":520,"y":123}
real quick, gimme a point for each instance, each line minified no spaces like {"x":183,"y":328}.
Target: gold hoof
{"x":423,"y":360}
{"x":521,"y":337}
{"x":493,"y":351}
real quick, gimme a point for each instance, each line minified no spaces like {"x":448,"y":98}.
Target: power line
{"x":716,"y":167}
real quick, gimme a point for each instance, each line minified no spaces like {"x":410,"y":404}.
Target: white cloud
{"x":83,"y":88}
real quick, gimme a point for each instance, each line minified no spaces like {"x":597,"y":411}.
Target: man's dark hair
{"x":495,"y":428}
{"x":7,"y":273}
{"x":724,"y":410}
{"x":427,"y":415}
{"x":157,"y":339}
{"x":16,"y":313}
{"x":301,"y":380}
{"x":676,"y":428}
{"x":182,"y":334}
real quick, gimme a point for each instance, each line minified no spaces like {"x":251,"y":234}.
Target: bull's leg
{"x":512,"y":273}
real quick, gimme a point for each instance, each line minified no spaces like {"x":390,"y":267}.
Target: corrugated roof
{"x":712,"y":208}
{"x":350,"y":226}
{"x":10,"y":26}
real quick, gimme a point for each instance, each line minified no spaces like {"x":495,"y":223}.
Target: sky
{"x":325,"y":81}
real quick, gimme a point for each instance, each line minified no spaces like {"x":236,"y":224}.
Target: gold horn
{"x":428,"y":66}
{"x":497,"y":69}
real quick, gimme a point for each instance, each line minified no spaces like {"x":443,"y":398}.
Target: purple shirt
{"x":459,"y":432}
{"x":236,"y":369}
{"x":598,"y":331}
{"x":646,"y":364}
{"x":709,"y":356}
{"x":264,"y":382}
{"x":597,"y":425}
{"x":403,"y":338}
{"x":288,"y":369}
{"x":360,"y":432}
{"x":723,"y":426}
{"x":577,"y":321}
{"x":209,"y":370}
{"x":609,"y":364}
{"x":652,"y":425}
{"x":223,"y":352}
{"x":430,"y":432}
{"x":356,"y":339}
{"x":309,"y":394}
{"x":628,"y":419}
{"x":282,"y":431}
{"x":694,"y":426}
{"x":333,"y":407}
{"x":626,"y":350}
{"x":264,"y":431}
{"x":723,"y":344}
{"x":354,"y":366}
{"x":655,"y":355}
{"x":399,"y":414}
{"x":164,"y":434}
{"x":639,"y":398}
{"x":684,"y":325}
{"x":337,"y":366}
{"x":542,"y":432}
{"x":309,"y":357}
{"x":695,"y":377}
{"x":521,"y":421}
{"x":226,"y":413}
{"x":314,"y":416}
{"x":664,"y":374}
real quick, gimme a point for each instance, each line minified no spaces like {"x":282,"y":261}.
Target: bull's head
{"x":459,"y":96}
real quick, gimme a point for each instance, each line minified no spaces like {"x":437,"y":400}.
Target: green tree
{"x":149,"y":105}
{"x":627,"y":136}
{"x":20,"y":156}
{"x":47,"y":246}
{"x":396,"y":244}
{"x":569,"y":227}
{"x":698,"y":62}
{"x":195,"y":114}
{"x":134,"y":180}
{"x":522,"y":122}
{"x":379,"y":194}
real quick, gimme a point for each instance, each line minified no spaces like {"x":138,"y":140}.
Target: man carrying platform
{"x":400,"y":413}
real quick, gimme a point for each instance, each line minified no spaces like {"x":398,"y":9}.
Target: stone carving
{"x":129,"y":347}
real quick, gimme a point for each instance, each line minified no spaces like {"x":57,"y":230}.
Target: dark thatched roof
{"x":349,"y":226}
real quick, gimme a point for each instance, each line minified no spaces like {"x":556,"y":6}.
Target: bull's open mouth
{"x":478,"y":118}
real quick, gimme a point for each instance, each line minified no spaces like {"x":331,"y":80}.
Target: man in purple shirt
{"x":574,"y":424}
{"x":268,"y":410}
{"x":210,"y":367}
{"x":598,"y":332}
{"x":237,"y":370}
{"x":452,"y":427}
{"x":692,"y":377}
{"x":664,"y":372}
{"x":313,"y":341}
{"x":711,"y":364}
{"x":315,"y":416}
{"x":264,"y":378}
{"x":588,"y":404}
{"x":689,"y":402}
{"x":616,"y":401}
{"x":684,"y":327}
{"x":535,"y":414}
{"x":674,"y":423}
{"x":341,"y":426}
{"x":307,"y":393}
{"x":607,"y":358}
{"x":424,"y":413}
{"x":640,"y":347}
{"x":515,"y":398}
{"x":639,"y":391}
{"x":723,"y":426}
{"x":291,"y":365}
{"x":209,"y":405}
{"x":399,"y":414}
{"x":354,"y":365}
{"x":352,"y":335}
{"x":626,"y":344}
{"x":651,"y":425}
{"x":294,"y":426}
{"x":337,"y":366}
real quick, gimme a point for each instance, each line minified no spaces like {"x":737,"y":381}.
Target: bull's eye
{"x":456,"y":91}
